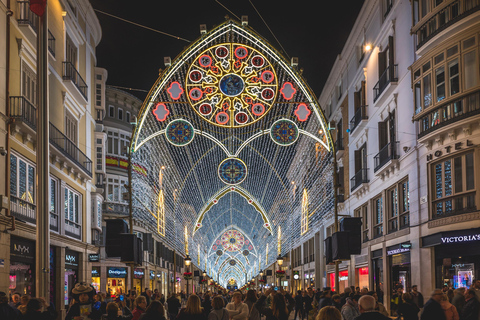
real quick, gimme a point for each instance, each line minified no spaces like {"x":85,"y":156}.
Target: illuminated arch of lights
{"x":231,"y":95}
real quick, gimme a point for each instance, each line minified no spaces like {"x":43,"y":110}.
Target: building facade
{"x":73,"y":33}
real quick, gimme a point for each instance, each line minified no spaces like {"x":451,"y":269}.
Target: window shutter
{"x":357,"y":100}
{"x":358,"y":160}
{"x":382,"y":63}
{"x":382,"y":135}
{"x":363,"y":95}
{"x":391,"y":61}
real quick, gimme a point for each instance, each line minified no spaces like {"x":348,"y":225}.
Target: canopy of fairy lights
{"x":232,"y":158}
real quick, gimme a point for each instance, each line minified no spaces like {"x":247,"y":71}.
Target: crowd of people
{"x":310,"y":304}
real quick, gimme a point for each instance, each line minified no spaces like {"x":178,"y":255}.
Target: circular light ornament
{"x":284,"y":132}
{"x":231,"y":78}
{"x":179,"y":132}
{"x":232,"y":240}
{"x":232,"y":171}
{"x":219,"y":253}
{"x":232,"y":262}
{"x":246,"y":252}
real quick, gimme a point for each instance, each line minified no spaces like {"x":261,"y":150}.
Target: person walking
{"x":174,"y":305}
{"x":459,"y":299}
{"x":366,"y":308}
{"x":82,"y":303}
{"x":299,"y":309}
{"x":350,"y":308}
{"x":432,"y":309}
{"x":471,"y":308}
{"x":278,"y":309}
{"x":218,"y":309}
{"x":417,"y":296}
{"x":8,"y":312}
{"x":336,"y":302}
{"x":193,"y":310}
{"x":407,"y":309}
{"x":113,"y":309}
{"x":250,"y":301}
{"x":155,"y":311}
{"x":329,"y":313}
{"x":308,"y":301}
{"x":38,"y":309}
{"x":237,"y":309}
{"x":207,"y":304}
{"x":451,"y":313}
{"x":141,"y":306}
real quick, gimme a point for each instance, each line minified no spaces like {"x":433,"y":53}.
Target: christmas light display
{"x":226,"y":138}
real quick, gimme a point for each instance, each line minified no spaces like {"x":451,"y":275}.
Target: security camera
{"x":3,"y":151}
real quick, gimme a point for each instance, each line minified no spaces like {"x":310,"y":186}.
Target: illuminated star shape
{"x":302,"y":112}
{"x":175,"y":90}
{"x":161,"y":112}
{"x":288,"y":91}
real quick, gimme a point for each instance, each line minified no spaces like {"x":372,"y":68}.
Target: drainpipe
{"x":9,"y":120}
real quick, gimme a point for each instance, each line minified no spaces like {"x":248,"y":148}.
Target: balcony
{"x":25,"y":17}
{"x":67,"y":148}
{"x":454,"y":205}
{"x":71,"y":76}
{"x":73,"y":229}
{"x":51,"y":44}
{"x":386,"y":155}
{"x":445,"y":18}
{"x":53,"y":221}
{"x":359,"y":178}
{"x":360,"y":115}
{"x":21,"y":110}
{"x":99,"y":181}
{"x":115,"y":208}
{"x":339,"y":149}
{"x":388,"y":76}
{"x":26,"y":211}
{"x":449,"y":113}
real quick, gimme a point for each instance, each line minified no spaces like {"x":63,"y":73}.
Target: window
{"x":111,"y":111}
{"x":470,"y":68}
{"x":359,"y":97}
{"x":99,"y":159}
{"x":99,"y":214}
{"x":362,"y":212}
{"x":398,"y":206}
{"x":53,"y":195}
{"x":70,"y":127}
{"x":115,"y":189}
{"x":98,"y":95}
{"x":22,"y":180}
{"x":70,"y":51}
{"x":120,"y":114}
{"x":72,"y":205}
{"x":99,"y":77}
{"x":29,"y":84}
{"x":387,"y":5}
{"x":386,"y":141}
{"x":378,"y":217}
{"x":453,"y":185}
{"x":127,"y":117}
{"x":311,"y":249}
{"x":339,"y":90}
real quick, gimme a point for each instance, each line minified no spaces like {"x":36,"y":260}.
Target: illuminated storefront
{"x":457,"y":259}
{"x":342,"y":280}
{"x":96,"y":272}
{"x":138,"y":275}
{"x":71,"y":274}
{"x":116,"y":278}
{"x":152,"y":280}
{"x":399,"y":265}
{"x":361,"y":277}
{"x":22,"y":266}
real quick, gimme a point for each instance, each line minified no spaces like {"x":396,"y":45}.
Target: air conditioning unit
{"x":167,"y":61}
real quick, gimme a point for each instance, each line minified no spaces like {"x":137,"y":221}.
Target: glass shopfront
{"x":116,"y":278}
{"x":71,"y":274}
{"x":96,"y":273}
{"x":152,"y":280}
{"x":138,"y":275}
{"x":377,"y":266}
{"x":22,"y":266}
{"x":399,"y":263}
{"x":457,"y":258}
{"x":361,"y":277}
{"x":342,"y":280}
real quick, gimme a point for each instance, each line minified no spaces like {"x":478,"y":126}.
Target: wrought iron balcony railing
{"x":70,"y":73}
{"x":360,"y":114}
{"x":22,"y":109}
{"x":51,"y":43}
{"x":70,"y":150}
{"x":453,"y":111}
{"x":389,"y":152}
{"x":359,"y":178}
{"x":388,"y":76}
{"x":444,"y":18}
{"x":25,"y":16}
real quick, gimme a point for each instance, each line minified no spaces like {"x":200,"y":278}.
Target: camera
{"x":3,"y":151}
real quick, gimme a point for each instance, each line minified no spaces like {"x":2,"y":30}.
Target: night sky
{"x":315,"y":32}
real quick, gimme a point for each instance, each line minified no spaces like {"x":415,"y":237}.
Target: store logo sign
{"x":397,"y":251}
{"x":21,"y":249}
{"x":69,"y":258}
{"x":117,"y":272}
{"x":475,"y":237}
{"x":343,"y":278}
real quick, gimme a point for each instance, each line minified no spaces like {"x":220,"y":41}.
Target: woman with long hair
{"x":219,"y":312}
{"x":278,"y":309}
{"x":193,"y":310}
{"x":250,"y":301}
{"x":155,"y":311}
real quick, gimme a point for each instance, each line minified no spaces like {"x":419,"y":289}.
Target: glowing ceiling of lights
{"x":231,"y":142}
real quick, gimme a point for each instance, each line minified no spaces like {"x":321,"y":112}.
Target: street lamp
{"x":261,"y":273}
{"x":188,"y":261}
{"x":279,"y":260}
{"x":204,"y":282}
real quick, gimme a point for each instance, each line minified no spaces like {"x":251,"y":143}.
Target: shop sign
{"x":22,"y":248}
{"x":138,"y":273}
{"x":461,"y":238}
{"x":448,"y":149}
{"x":343,"y":278}
{"x":117,"y":272}
{"x":402,"y":248}
{"x":152,"y":275}
{"x":159,"y":276}
{"x":94,"y":257}
{"x":71,"y":259}
{"x":95,"y":272}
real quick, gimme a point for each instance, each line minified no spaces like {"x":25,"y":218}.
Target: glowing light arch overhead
{"x":232,"y":99}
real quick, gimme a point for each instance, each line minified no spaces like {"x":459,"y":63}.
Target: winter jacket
{"x":471,"y":309}
{"x":137,"y":312}
{"x":260,"y":305}
{"x":432,"y":311}
{"x":374,"y":315}
{"x":253,"y":313}
{"x":408,"y":310}
{"x":221,"y":314}
{"x":187,"y":316}
{"x":350,"y":310}
{"x":451,"y":312}
{"x":238,"y":312}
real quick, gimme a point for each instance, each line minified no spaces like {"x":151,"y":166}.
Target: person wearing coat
{"x":218,"y":310}
{"x":408,"y":309}
{"x":35,"y":311}
{"x":471,"y":308}
{"x":112,"y":312}
{"x":459,"y":299}
{"x":278,"y":310}
{"x":350,"y":308}
{"x":432,"y":309}
{"x":451,"y":312}
{"x":83,"y":305}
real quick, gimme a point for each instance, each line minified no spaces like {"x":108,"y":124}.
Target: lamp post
{"x":204,"y":278}
{"x":261,"y":275}
{"x":188,"y":261}
{"x":280,"y":263}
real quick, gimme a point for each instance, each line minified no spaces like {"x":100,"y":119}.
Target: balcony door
{"x":386,"y":131}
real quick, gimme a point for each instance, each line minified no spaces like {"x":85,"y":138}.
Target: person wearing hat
{"x":82,"y":307}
